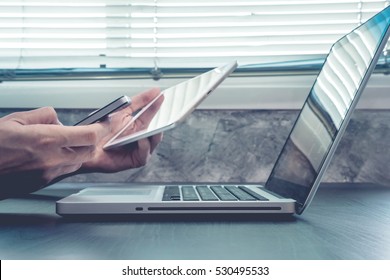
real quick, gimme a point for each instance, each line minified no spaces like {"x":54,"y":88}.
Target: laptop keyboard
{"x":210,"y":193}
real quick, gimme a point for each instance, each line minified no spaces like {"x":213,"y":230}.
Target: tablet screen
{"x":179,"y":101}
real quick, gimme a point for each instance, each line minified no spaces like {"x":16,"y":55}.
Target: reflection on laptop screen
{"x":325,"y":109}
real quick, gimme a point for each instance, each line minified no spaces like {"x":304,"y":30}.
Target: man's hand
{"x":35,"y":148}
{"x":135,"y":154}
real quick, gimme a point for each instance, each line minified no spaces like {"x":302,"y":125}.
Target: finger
{"x":75,"y":136}
{"x":141,"y":100}
{"x":146,"y":117}
{"x":154,"y":141}
{"x":143,"y":151}
{"x":118,"y":120}
{"x":66,"y":161}
{"x":77,"y":155}
{"x":149,"y":101}
{"x":45,"y":115}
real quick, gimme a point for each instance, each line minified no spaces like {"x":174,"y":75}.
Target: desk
{"x":345,"y":221}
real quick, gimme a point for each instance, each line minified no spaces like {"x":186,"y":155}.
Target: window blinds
{"x":171,"y":33}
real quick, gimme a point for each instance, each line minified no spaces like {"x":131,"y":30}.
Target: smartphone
{"x":103,"y":112}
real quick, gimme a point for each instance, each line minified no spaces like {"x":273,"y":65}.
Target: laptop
{"x":301,"y":164}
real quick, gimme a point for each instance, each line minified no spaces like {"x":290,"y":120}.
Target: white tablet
{"x":179,"y":101}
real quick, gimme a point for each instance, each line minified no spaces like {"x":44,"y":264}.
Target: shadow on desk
{"x":14,"y":219}
{"x":181,"y":218}
{"x":25,"y":219}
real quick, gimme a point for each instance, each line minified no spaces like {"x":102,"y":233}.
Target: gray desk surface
{"x":345,"y":221}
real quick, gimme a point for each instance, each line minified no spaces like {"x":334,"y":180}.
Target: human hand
{"x":35,"y":148}
{"x":135,"y":154}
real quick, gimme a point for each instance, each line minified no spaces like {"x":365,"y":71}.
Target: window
{"x":146,"y":35}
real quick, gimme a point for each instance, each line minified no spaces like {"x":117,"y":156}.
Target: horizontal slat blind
{"x":171,"y":33}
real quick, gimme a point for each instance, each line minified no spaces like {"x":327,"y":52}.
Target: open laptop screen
{"x":323,"y":115}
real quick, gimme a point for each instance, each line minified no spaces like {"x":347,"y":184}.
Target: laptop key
{"x":206,"y":194}
{"x":240,"y":194}
{"x":189,"y":193}
{"x":223,"y":194}
{"x":171,"y":193}
{"x":256,"y":195}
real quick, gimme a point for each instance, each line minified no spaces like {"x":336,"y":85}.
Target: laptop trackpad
{"x":120,"y":194}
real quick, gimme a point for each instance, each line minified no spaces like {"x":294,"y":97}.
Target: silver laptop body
{"x":301,"y":164}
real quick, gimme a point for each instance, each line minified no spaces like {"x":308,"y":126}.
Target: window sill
{"x":283,"y":92}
